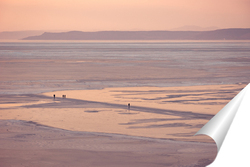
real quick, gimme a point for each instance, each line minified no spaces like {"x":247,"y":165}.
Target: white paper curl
{"x":230,"y":129}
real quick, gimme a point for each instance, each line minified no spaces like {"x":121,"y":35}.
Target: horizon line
{"x":60,"y":31}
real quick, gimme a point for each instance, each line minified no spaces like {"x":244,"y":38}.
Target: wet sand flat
{"x":38,"y":130}
{"x":25,"y":143}
{"x":168,"y":112}
{"x":175,"y":113}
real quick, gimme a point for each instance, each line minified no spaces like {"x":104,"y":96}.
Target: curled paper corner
{"x":228,"y":128}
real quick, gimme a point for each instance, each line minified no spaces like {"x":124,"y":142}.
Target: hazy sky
{"x":93,"y":15}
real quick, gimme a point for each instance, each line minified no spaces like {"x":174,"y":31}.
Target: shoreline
{"x":116,"y":85}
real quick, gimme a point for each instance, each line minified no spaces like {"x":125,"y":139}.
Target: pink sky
{"x":95,"y":15}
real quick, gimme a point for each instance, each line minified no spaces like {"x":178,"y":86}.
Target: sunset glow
{"x":121,"y":15}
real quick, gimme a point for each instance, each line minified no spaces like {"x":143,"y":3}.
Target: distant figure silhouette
{"x":63,"y":96}
{"x":54,"y":96}
{"x":128,"y":106}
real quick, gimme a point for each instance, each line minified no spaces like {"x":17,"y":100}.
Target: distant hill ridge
{"x":220,"y":34}
{"x":18,"y":34}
